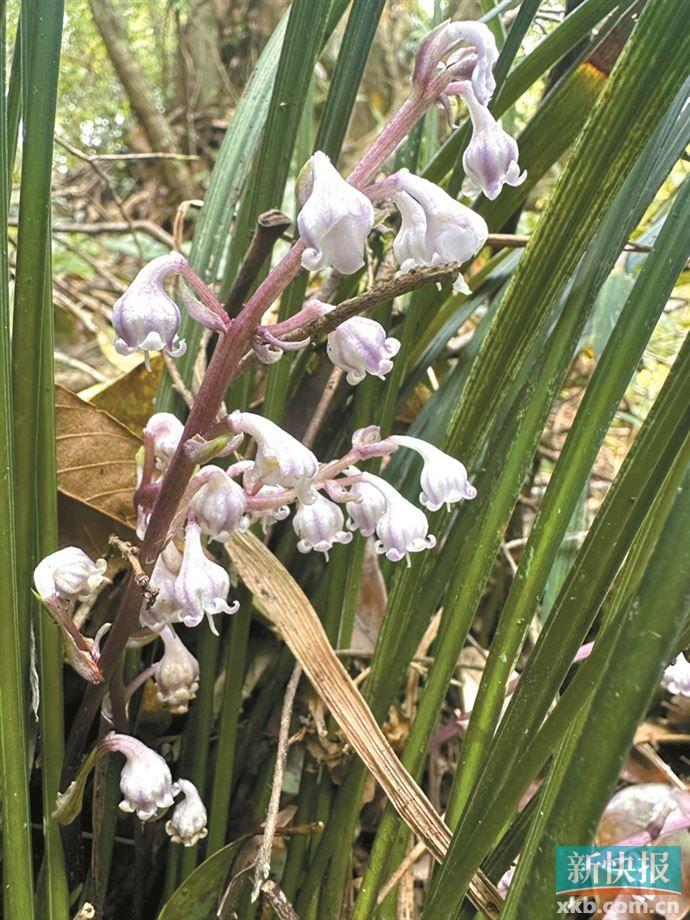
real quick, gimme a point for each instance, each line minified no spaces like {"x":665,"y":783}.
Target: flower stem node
{"x":335,"y":219}
{"x":145,"y":780}
{"x":188,"y":822}
{"x":146,"y":318}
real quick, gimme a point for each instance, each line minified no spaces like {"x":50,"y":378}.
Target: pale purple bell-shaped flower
{"x":219,"y":505}
{"x":676,"y":677}
{"x":402,"y":528}
{"x":162,"y":435}
{"x":360,"y":346}
{"x":176,"y":673}
{"x":454,"y":233}
{"x":202,"y":586}
{"x":409,"y":245}
{"x":319,"y":526}
{"x":188,"y":822}
{"x":166,"y":607}
{"x":335,"y":219}
{"x":443,"y":480}
{"x":145,"y":780}
{"x":281,"y":460}
{"x":68,"y":575}
{"x":475,"y":58}
{"x":491,"y":158}
{"x":367,"y":507}
{"x":146,"y":318}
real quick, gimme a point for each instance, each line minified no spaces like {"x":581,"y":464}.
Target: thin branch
{"x":263,"y":859}
{"x":278,"y":902}
{"x":109,"y":226}
{"x":270,"y":226}
{"x":177,"y":381}
{"x":323,"y":407}
{"x":141,"y":579}
{"x":145,"y":156}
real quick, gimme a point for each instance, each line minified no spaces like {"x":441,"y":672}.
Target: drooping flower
{"x":188,"y":823}
{"x":266,"y":515}
{"x":335,"y":219}
{"x":146,"y":318}
{"x":166,"y":607}
{"x":202,"y":586}
{"x":676,"y":677}
{"x":281,"y":460}
{"x":440,"y":229}
{"x":443,"y":480}
{"x":219,"y":505}
{"x":490,"y":160}
{"x":367,"y":507}
{"x":176,"y":674}
{"x":68,"y":575}
{"x":359,"y":346}
{"x":145,"y":780}
{"x":474,"y":60}
{"x":319,"y":526}
{"x":162,"y":435}
{"x":402,"y":528}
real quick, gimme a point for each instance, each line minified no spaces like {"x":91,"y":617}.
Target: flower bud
{"x":365,"y":511}
{"x":219,"y":505}
{"x":676,"y":677}
{"x":491,"y":158}
{"x":402,"y":529}
{"x":439,"y":229}
{"x":68,"y":575}
{"x":335,"y":219}
{"x":145,"y":318}
{"x":359,"y":346}
{"x":188,"y":823}
{"x":145,"y":780}
{"x":319,"y":526}
{"x":176,"y":674}
{"x":281,"y":460}
{"x":443,"y":479}
{"x":162,"y":435}
{"x":202,"y":586}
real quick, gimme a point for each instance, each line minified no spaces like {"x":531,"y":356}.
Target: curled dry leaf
{"x":289,"y":609}
{"x":131,"y":397}
{"x":95,"y":457}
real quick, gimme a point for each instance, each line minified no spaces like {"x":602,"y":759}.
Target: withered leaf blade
{"x":95,"y":457}
{"x":289,"y":609}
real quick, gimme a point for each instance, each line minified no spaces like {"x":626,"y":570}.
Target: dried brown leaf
{"x":296,"y":620}
{"x":131,"y":397}
{"x":95,"y":457}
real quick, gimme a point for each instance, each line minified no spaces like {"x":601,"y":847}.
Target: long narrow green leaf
{"x":651,"y":622}
{"x":602,"y":397}
{"x":16,"y":833}
{"x":660,"y":442}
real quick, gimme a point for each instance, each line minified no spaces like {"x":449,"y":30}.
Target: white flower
{"x":202,"y":586}
{"x":443,"y":479}
{"x":219,"y":505}
{"x":367,"y":508}
{"x":439,"y":229}
{"x":165,"y":607}
{"x":676,"y":677}
{"x":176,"y":674}
{"x":491,"y":158}
{"x":188,"y":822}
{"x":335,"y":219}
{"x":319,"y":526}
{"x":145,"y":318}
{"x":402,"y":529}
{"x":162,"y":435}
{"x":359,"y":346}
{"x":266,"y":516}
{"x":68,"y":575}
{"x":145,"y":780}
{"x":475,"y":59}
{"x":281,"y":460}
